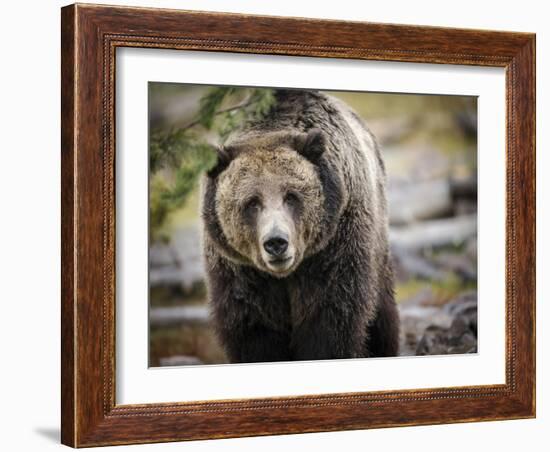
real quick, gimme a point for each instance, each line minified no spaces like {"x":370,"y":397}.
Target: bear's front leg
{"x":255,"y":343}
{"x":246,"y":335}
{"x":330,"y":332}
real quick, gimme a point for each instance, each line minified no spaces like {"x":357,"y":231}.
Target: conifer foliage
{"x":179,"y":156}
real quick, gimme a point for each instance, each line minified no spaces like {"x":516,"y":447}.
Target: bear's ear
{"x":224,"y":157}
{"x":311,"y":145}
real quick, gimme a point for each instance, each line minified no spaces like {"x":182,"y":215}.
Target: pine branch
{"x":197,"y":122}
{"x":178,"y":157}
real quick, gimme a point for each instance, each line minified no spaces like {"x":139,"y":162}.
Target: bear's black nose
{"x":276,"y":246}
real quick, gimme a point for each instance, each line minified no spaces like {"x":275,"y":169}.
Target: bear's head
{"x":269,"y":199}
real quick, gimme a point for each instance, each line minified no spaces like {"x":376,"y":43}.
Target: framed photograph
{"x":282,"y":225}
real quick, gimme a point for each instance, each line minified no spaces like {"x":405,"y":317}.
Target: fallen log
{"x":410,"y":202}
{"x":180,"y":360}
{"x":177,"y":315}
{"x":429,"y":199}
{"x":434,"y":233}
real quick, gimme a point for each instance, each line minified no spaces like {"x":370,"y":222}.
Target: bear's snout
{"x":278,"y":251}
{"x":276,"y":245}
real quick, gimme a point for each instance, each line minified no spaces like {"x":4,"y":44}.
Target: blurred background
{"x":429,"y":145}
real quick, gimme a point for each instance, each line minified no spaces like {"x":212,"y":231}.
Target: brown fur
{"x":333,"y":295}
{"x":268,"y":172}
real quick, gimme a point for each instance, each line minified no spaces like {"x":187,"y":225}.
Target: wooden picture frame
{"x":90,"y":36}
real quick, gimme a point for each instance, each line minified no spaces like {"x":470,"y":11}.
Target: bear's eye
{"x":252,"y":205}
{"x":291,"y":198}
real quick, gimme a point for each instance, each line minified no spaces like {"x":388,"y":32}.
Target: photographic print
{"x":296,"y":224}
{"x":291,"y":207}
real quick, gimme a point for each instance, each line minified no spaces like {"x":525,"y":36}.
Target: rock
{"x":409,"y":264}
{"x":419,"y":200}
{"x":460,"y":337}
{"x":439,"y":341}
{"x":462,"y":304}
{"x":179,"y":263}
{"x":416,"y":315}
{"x":433,"y":330}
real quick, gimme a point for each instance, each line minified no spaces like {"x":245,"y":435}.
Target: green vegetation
{"x":437,"y":292}
{"x":178,"y":156}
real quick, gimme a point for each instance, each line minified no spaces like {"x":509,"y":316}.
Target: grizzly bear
{"x":296,"y":237}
